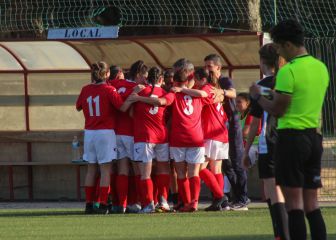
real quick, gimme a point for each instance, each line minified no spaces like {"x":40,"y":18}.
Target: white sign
{"x":83,"y":33}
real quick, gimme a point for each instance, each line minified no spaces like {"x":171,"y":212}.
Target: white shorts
{"x":189,"y":154}
{"x":253,"y":154}
{"x":99,"y":146}
{"x":125,"y":145}
{"x":216,"y":150}
{"x":146,"y":152}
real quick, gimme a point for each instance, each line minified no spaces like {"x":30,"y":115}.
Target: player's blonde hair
{"x":99,"y":70}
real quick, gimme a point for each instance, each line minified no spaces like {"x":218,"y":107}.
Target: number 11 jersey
{"x":99,"y":103}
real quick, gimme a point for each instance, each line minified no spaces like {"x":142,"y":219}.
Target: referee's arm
{"x":277,"y":106}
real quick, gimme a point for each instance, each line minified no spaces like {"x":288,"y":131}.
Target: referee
{"x":300,"y":88}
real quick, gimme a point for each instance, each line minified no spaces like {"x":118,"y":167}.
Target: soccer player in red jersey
{"x":125,"y":142}
{"x":99,"y":103}
{"x":215,"y":134}
{"x":185,"y":140}
{"x":116,"y":73}
{"x":151,"y":141}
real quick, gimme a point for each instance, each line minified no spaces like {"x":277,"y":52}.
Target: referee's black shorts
{"x":266,"y":163}
{"x":298,"y":156}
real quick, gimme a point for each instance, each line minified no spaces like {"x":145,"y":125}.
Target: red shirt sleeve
{"x":248,"y":119}
{"x":170,"y":97}
{"x":207,"y":100}
{"x":115,"y":98}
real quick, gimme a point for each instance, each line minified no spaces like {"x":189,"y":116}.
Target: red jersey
{"x":213,"y":120}
{"x":124,"y":121}
{"x":112,"y":82}
{"x":186,"y":126}
{"x":149,"y":121}
{"x":99,"y":103}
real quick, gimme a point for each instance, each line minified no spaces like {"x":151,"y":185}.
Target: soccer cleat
{"x":162,"y":207}
{"x":216,"y":205}
{"x":239,"y":207}
{"x":135,"y":208}
{"x":103,"y":209}
{"x":118,"y":210}
{"x":225,"y":206}
{"x":148,"y":209}
{"x":89,"y":208}
{"x":188,"y":208}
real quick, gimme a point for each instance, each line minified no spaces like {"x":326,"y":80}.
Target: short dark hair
{"x":288,"y":30}
{"x":183,"y":63}
{"x":114,"y":70}
{"x":201,"y":73}
{"x":215,"y":58}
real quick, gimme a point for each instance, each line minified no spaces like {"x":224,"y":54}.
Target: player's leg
{"x":162,"y":175}
{"x":194,"y":158}
{"x":90,"y":187}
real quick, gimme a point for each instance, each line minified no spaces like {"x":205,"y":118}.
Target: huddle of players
{"x":127,"y":120}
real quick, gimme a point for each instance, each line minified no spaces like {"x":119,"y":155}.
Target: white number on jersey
{"x":154,"y":110}
{"x":97,"y":106}
{"x":122,"y":90}
{"x":189,"y":109}
{"x":220,"y":109}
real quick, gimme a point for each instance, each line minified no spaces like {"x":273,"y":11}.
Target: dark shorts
{"x":298,"y":156}
{"x":266,"y":166}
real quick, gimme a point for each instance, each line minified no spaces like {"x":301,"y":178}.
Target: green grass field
{"x":69,"y":224}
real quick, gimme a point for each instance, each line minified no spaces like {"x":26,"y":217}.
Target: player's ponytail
{"x":153,"y":78}
{"x":99,"y":70}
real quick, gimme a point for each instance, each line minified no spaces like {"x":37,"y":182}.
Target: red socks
{"x":211,"y":182}
{"x":220,"y":179}
{"x":122,"y":189}
{"x":184,"y":190}
{"x":138,"y":188}
{"x":155,"y":189}
{"x":163,"y":182}
{"x":131,"y":196}
{"x":113,"y":189}
{"x":147,"y":191}
{"x":195,"y":188}
{"x":103,"y":194}
{"x":90,"y":193}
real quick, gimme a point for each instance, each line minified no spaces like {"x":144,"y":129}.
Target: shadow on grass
{"x":236,"y":237}
{"x":43,"y":213}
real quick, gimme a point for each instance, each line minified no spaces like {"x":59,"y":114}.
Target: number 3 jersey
{"x":186,"y":128}
{"x":99,"y":103}
{"x":149,"y":121}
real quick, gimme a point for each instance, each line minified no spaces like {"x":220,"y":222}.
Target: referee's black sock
{"x":317,"y":226}
{"x":297,"y":224}
{"x":281,"y":219}
{"x":275,"y":230}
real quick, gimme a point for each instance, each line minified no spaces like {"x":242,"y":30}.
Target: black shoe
{"x":239,"y":206}
{"x":216,"y":205}
{"x":103,"y":209}
{"x":225,"y":205}
{"x":89,"y":208}
{"x":117,"y":210}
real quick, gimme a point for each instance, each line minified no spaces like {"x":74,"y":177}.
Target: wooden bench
{"x":29,"y":138}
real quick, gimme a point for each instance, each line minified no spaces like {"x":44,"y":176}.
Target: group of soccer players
{"x":160,"y":133}
{"x":168,"y":134}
